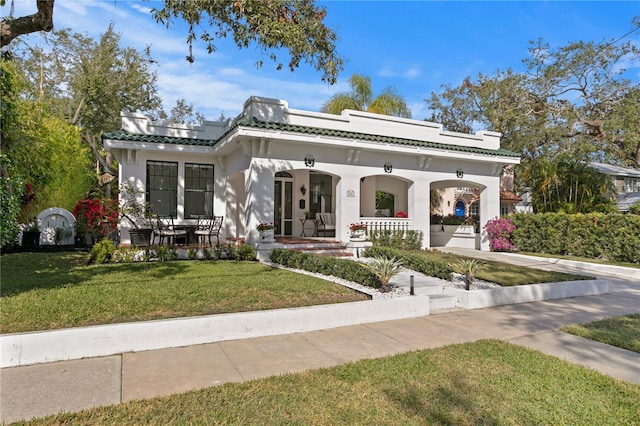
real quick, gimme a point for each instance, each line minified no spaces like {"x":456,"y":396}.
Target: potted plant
{"x":267,"y":231}
{"x":31,"y":235}
{"x":138,"y":214}
{"x":358,"y":231}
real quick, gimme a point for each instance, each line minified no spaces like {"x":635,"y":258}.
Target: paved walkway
{"x":44,"y":389}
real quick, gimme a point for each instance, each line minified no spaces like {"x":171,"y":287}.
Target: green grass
{"x":487,"y":382}
{"x":509,"y":275}
{"x":583,"y":259}
{"x":42,"y":291}
{"x":622,"y":331}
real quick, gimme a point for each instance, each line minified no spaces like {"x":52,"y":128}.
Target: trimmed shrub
{"x":102,"y":251}
{"x":340,"y":268}
{"x":244,"y":252}
{"x":612,"y":236}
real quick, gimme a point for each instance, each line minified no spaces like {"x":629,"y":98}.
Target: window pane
{"x":162,"y":187}
{"x":198,"y":191}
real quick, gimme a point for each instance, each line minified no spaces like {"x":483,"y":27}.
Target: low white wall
{"x":454,"y":236}
{"x":476,"y":299}
{"x":84,"y":342}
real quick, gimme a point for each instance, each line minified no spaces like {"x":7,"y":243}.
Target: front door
{"x":283,"y":204}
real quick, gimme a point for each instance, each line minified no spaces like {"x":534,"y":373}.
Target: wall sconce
{"x":309,"y":161}
{"x":303,"y":189}
{"x":388,"y":167}
{"x":460,"y":173}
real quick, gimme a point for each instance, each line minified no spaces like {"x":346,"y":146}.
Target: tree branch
{"x":40,"y":21}
{"x":89,"y":139}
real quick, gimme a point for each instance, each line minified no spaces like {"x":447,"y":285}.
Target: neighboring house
{"x":273,"y":163}
{"x":626,"y":182}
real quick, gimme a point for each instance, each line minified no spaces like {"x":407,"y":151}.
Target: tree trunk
{"x":40,"y":21}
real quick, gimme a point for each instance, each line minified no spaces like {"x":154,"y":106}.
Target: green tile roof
{"x":252,"y":122}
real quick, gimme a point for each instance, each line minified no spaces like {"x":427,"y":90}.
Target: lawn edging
{"x":486,"y":298}
{"x":20,"y":349}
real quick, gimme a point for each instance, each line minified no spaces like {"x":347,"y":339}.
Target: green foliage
{"x":406,"y":240}
{"x":10,"y":193}
{"x":165,"y":253}
{"x":566,"y":184}
{"x":384,"y":268}
{"x":244,"y":252}
{"x":360,"y":98}
{"x":468,"y":267}
{"x":611,"y":236}
{"x":635,"y":209}
{"x":278,"y":26}
{"x":417,"y":262}
{"x":341,"y":268}
{"x":102,"y":251}
{"x":571,"y":99}
{"x":192,"y":253}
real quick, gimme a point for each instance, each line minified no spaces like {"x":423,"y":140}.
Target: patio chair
{"x":166,"y":229}
{"x":326,"y":223}
{"x":209,"y":227}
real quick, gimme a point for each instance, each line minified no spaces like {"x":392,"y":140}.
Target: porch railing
{"x":386,"y":224}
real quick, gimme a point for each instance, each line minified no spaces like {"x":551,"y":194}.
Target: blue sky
{"x":415,"y":46}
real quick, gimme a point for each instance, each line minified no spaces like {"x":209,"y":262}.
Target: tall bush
{"x":499,"y":233}
{"x":612,"y":236}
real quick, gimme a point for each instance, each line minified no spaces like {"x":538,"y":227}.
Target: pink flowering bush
{"x":499,"y":233}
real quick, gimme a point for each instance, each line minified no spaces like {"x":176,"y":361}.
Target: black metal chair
{"x":166,"y":229}
{"x":209,"y":227}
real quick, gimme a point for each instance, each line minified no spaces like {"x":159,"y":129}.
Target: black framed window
{"x":162,"y":187}
{"x":198,"y":190}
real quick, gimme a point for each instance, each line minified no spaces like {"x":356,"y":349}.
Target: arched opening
{"x":385,"y":206}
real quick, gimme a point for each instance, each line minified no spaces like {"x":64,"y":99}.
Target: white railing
{"x":386,"y":224}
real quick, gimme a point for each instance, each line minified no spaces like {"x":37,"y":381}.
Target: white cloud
{"x":409,"y":73}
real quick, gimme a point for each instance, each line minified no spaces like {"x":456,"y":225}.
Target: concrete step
{"x":437,"y":302}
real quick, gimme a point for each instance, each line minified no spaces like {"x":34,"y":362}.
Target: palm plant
{"x":360,"y":98}
{"x":469,"y":268}
{"x":384,"y":268}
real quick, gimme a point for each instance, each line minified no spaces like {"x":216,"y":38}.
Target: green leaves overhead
{"x":295,"y":26}
{"x":360,"y":98}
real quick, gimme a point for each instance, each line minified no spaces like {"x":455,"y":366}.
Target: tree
{"x":574,"y":99}
{"x":360,"y":98}
{"x":88,"y":83}
{"x":42,"y":20}
{"x":295,"y":26}
{"x":45,"y":149}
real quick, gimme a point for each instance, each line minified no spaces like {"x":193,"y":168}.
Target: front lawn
{"x":622,"y":331}
{"x":487,"y":382}
{"x":42,"y":291}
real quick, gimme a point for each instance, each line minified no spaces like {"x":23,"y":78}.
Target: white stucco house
{"x":273,"y":163}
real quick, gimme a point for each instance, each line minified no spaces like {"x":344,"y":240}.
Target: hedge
{"x":407,"y":240}
{"x":417,"y":262}
{"x":340,"y":268}
{"x":610,"y":236}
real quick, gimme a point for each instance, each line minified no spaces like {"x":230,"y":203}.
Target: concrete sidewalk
{"x":44,"y":389}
